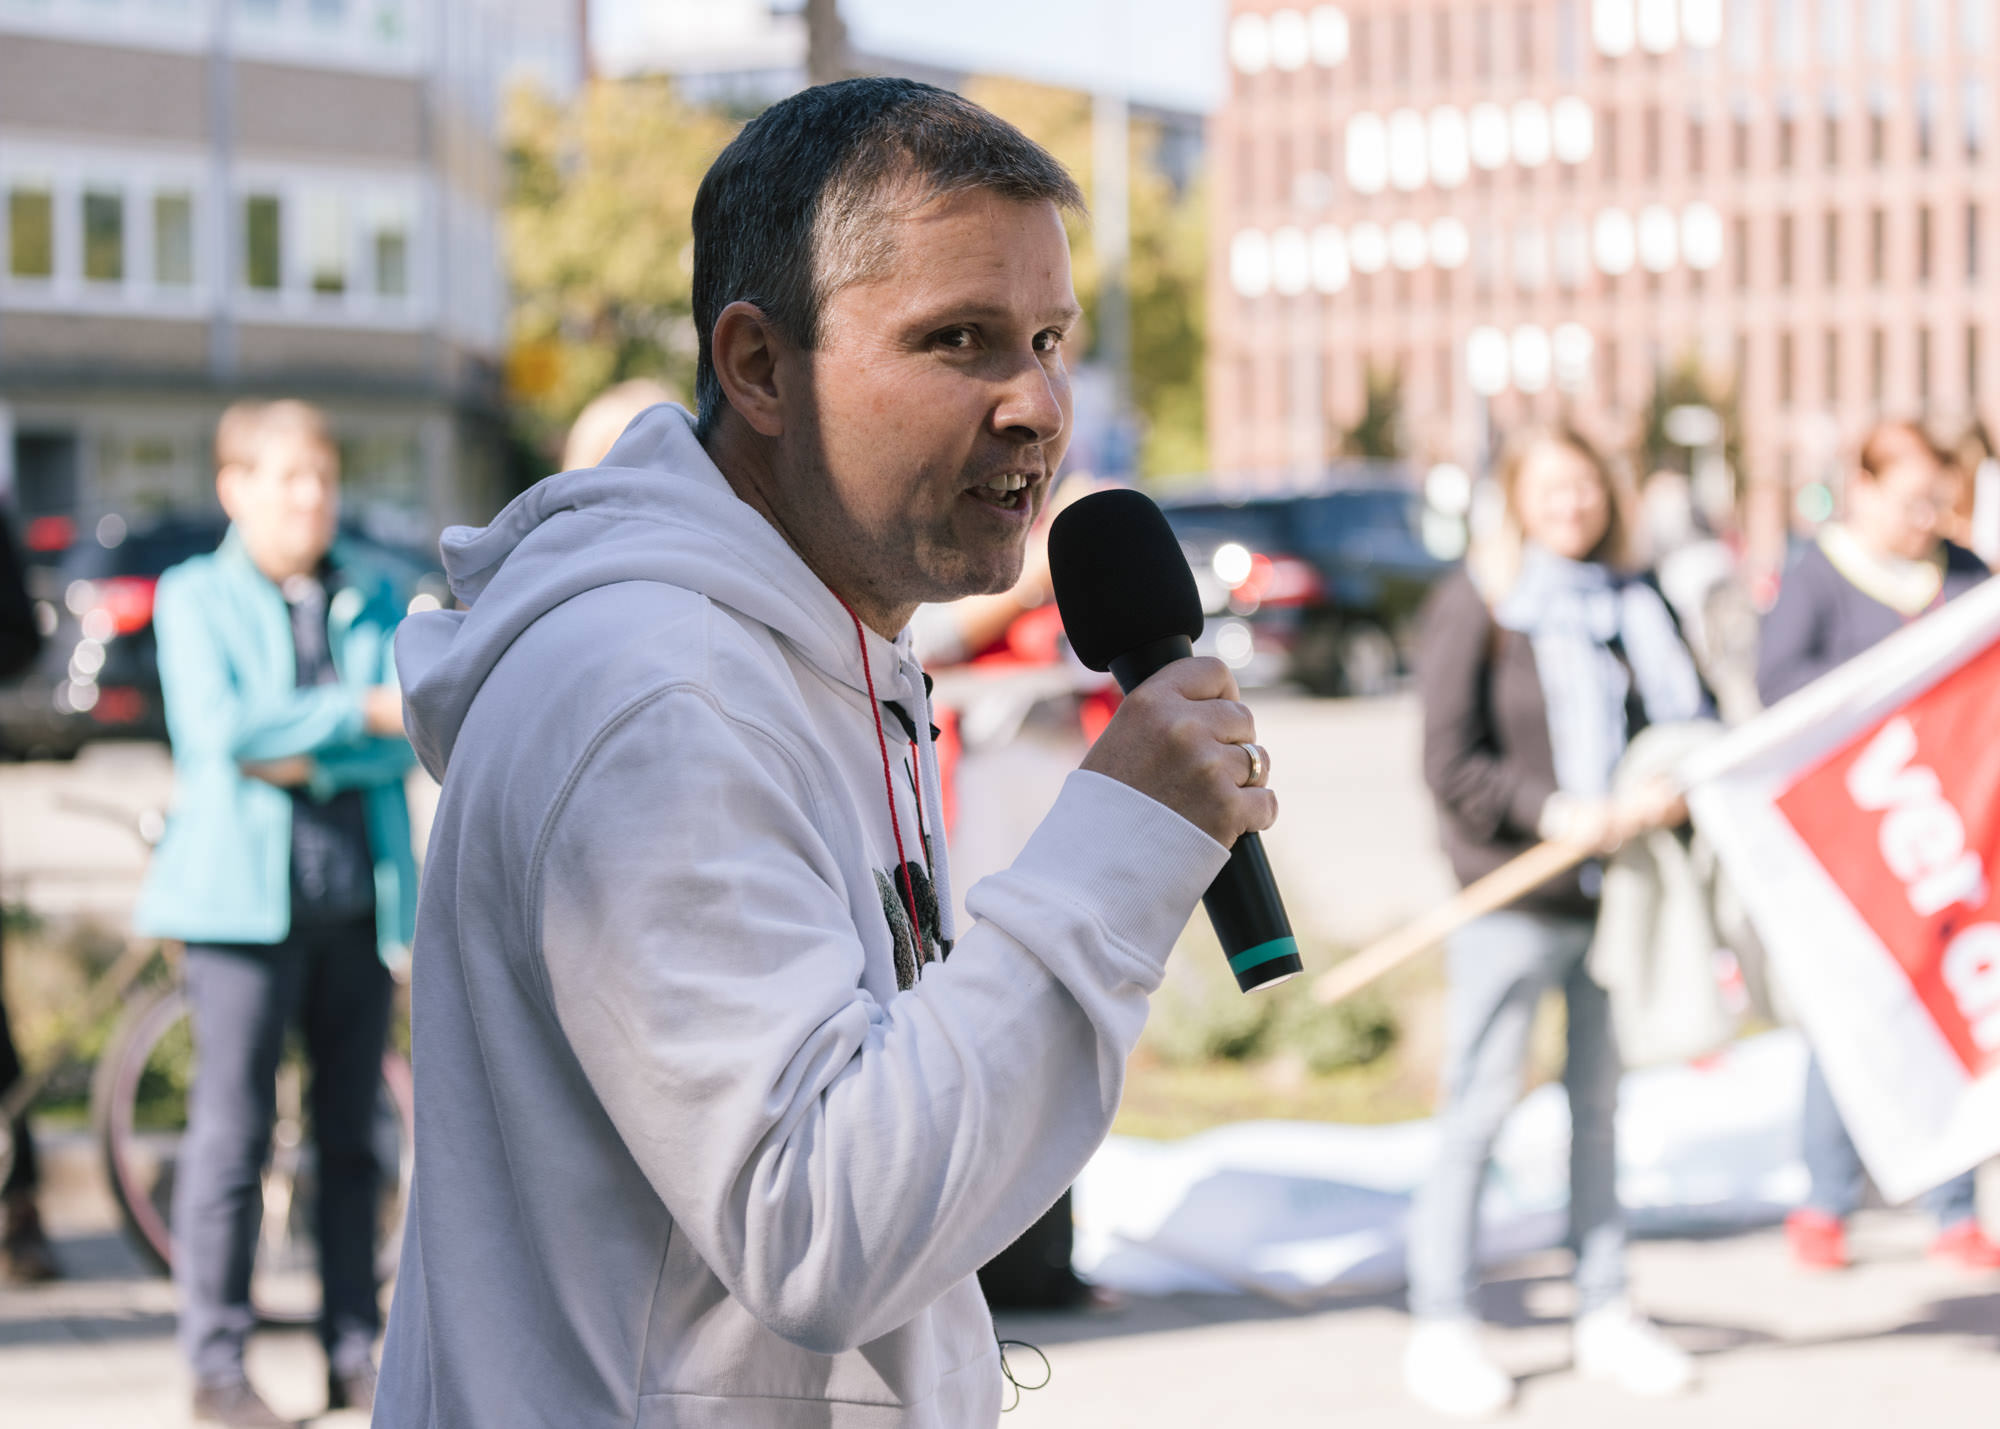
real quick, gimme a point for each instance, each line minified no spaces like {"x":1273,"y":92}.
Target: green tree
{"x":1379,"y":433}
{"x":1165,"y":274}
{"x":1685,"y":384}
{"x":600,"y":244}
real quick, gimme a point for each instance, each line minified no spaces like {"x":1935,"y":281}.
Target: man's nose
{"x":1032,"y":404}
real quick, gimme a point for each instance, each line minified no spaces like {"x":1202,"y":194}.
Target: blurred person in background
{"x":287,"y":870}
{"x":1882,"y":565}
{"x":25,"y":1253}
{"x":1974,"y":518}
{"x":1537,"y":665}
{"x":605,"y":417}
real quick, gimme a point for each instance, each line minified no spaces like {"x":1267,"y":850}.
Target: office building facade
{"x":1527,"y":208}
{"x":206,"y":199}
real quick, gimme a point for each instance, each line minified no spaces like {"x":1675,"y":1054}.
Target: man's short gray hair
{"x":798,"y":206}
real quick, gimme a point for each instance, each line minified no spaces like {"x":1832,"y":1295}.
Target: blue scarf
{"x":1571,"y":611}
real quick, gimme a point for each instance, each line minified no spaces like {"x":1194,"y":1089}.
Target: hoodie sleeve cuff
{"x":1131,"y":862}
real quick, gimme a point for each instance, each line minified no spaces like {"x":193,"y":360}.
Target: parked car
{"x":98,"y":674}
{"x":1321,"y":586}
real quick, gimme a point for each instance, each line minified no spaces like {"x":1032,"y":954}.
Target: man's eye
{"x":954,"y":337}
{"x":1049,"y":340}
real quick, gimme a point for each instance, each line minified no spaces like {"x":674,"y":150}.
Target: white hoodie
{"x":686,"y":1154}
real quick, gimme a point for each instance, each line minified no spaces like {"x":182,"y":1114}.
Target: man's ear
{"x":745,"y":349}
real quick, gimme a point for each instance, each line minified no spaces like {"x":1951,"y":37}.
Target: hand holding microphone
{"x":1182,"y":738}
{"x":1130,"y":606}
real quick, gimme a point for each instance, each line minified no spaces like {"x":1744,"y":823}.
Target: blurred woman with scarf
{"x":1537,"y":665}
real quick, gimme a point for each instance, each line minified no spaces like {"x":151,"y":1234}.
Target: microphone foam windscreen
{"x":1120,"y":578}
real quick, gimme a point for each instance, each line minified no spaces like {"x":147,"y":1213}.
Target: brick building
{"x":201,"y":199}
{"x":1524,"y":206}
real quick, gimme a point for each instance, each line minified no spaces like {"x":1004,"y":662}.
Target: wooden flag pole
{"x":1495,"y":891}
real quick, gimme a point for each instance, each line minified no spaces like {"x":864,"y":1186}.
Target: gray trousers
{"x":244,"y":998}
{"x":1500,"y":966}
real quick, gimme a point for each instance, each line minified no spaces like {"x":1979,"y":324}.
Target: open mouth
{"x":1010,"y":491}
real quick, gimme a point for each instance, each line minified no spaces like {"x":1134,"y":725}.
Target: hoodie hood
{"x":657,"y":510}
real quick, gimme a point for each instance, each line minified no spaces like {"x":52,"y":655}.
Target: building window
{"x":1362,"y":50}
{"x":1739,"y":136}
{"x":1924,"y":26}
{"x":173,"y":239}
{"x":1971,"y":244}
{"x":1784,"y":369}
{"x":1787,"y":136}
{"x":1926,"y":106}
{"x":1833,"y":30}
{"x":1697,"y":149}
{"x":1399,"y":42}
{"x":103,"y":236}
{"x":31,"y":232}
{"x":327,"y":13}
{"x":1972,"y":365}
{"x":1740,"y":252}
{"x":1744,"y":16}
{"x":1524,"y":40}
{"x":1610,"y":124}
{"x":1789,"y":40}
{"x":263,"y":243}
{"x":1246,"y":171}
{"x":1878,"y":366}
{"x":1441,"y":38}
{"x":1482,"y":42}
{"x":1829,"y":139}
{"x":1831,"y":375}
{"x":1785,"y":250}
{"x":1975,"y":25}
{"x":1973,"y":105}
{"x":1924,"y":243}
{"x":1831,"y":255}
{"x":1878,"y":128}
{"x":1878,"y":246}
{"x":326,"y":243}
{"x":1882,"y":29}
{"x":1652,"y":141}
{"x":1567,"y":65}
{"x":1923,"y":367}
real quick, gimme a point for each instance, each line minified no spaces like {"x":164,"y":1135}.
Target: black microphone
{"x":1129,"y":606}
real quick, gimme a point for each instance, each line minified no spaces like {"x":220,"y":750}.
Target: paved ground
{"x":1896,"y":1342}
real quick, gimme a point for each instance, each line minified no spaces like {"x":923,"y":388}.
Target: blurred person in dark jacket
{"x":25,"y":1253}
{"x":287,"y":870}
{"x":1883,"y":565}
{"x":1537,"y":665}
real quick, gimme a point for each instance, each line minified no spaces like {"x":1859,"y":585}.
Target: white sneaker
{"x":1445,"y":1369}
{"x":1617,"y":1345}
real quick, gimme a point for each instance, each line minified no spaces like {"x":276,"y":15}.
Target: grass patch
{"x":1166,"y":1102}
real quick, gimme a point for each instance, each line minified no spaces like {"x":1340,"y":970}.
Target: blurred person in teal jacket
{"x":287,"y":870}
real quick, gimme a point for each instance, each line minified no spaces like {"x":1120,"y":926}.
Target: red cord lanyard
{"x":903,"y":877}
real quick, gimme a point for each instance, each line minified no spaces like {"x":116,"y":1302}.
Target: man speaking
{"x":710,"y":1132}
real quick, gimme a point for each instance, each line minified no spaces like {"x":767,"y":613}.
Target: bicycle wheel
{"x":139,"y":1108}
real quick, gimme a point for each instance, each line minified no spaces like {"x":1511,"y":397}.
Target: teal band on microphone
{"x":1264,"y":953}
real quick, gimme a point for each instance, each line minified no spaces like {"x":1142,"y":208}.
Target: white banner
{"x":1860,"y":821}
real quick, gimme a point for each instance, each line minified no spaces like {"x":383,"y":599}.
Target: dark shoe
{"x":237,"y":1405}
{"x":351,"y":1388}
{"x":26,"y":1257}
